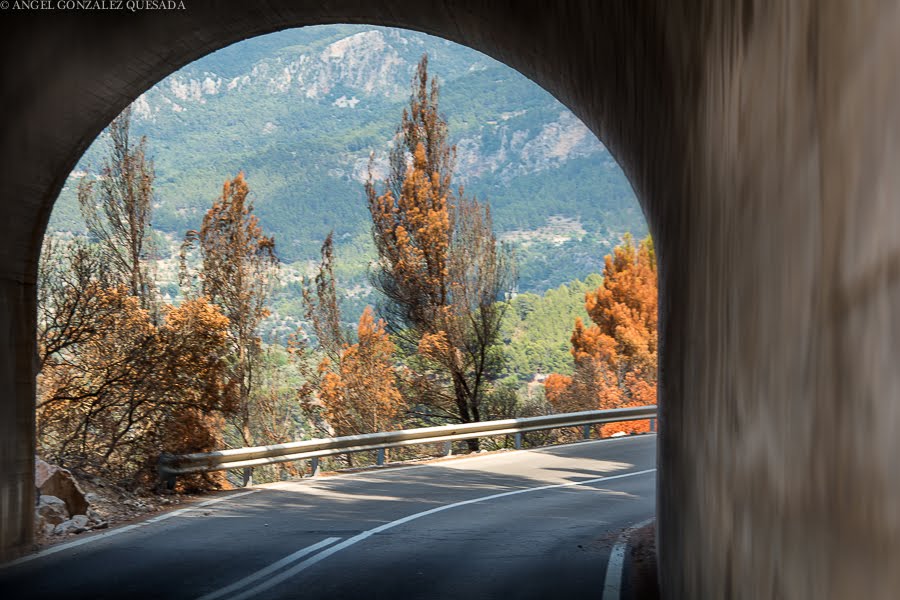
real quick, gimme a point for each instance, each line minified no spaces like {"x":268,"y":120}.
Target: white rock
{"x":64,"y":528}
{"x":80,"y":523}
{"x":52,"y":510}
{"x":76,"y":524}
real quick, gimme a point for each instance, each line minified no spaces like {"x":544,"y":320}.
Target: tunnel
{"x":762,"y":140}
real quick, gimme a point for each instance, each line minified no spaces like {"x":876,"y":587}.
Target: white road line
{"x":269,"y":570}
{"x":108,"y":534}
{"x":612,"y":586}
{"x":316,"y":558}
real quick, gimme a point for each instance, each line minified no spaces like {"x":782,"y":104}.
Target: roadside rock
{"x":96,"y":521}
{"x":77,"y":524}
{"x":104,"y":504}
{"x":51,"y":509}
{"x":63,"y":528}
{"x":80,"y":522}
{"x":51,"y":480}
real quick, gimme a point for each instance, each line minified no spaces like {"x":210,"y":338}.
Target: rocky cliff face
{"x":524,"y":152}
{"x":364,"y":62}
{"x":371,"y":68}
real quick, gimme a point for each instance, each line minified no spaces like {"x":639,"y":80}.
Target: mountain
{"x":300,"y":112}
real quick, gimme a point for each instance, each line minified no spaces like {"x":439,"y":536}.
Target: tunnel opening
{"x":557,"y":225}
{"x":189,"y":111}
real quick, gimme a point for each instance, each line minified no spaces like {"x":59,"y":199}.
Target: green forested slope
{"x":537,"y":328}
{"x":301,"y":111}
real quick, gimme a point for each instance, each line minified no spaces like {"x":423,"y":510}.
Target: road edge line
{"x":117,"y":531}
{"x":612,"y":585}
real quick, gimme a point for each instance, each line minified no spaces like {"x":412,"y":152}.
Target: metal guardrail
{"x":170,"y":466}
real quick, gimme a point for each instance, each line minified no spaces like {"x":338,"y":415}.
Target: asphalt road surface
{"x":515,"y":525}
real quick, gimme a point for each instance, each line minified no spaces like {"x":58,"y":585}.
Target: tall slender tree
{"x":238,"y":264}
{"x":122,"y":376}
{"x":117,"y":210}
{"x":440,"y":268}
{"x":354,"y":387}
{"x":322,"y":310}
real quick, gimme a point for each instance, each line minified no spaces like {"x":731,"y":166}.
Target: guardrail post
{"x":248,"y":476}
{"x":166,"y":477}
{"x":314,"y":467}
{"x":519,"y":441}
{"x":586,"y":432}
{"x":652,"y":425}
{"x":448,"y":448}
{"x":379,"y":460}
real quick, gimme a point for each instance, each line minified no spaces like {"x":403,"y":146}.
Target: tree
{"x":122,"y":377}
{"x":238,"y":264}
{"x":360,"y":395}
{"x":192,"y":384}
{"x":354,"y":386}
{"x":615,"y":358}
{"x":72,"y":276}
{"x":439,"y":269}
{"x":321,"y":304}
{"x":277,"y":416}
{"x":110,"y":402}
{"x":117,"y":210}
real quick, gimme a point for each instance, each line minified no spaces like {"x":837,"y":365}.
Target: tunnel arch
{"x":761,"y":140}
{"x":98,"y":84}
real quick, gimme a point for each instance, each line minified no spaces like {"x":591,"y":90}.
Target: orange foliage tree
{"x":122,"y":377}
{"x":615,"y":357}
{"x":440,"y":269}
{"x":126,"y":389}
{"x":238,"y":265}
{"x":360,"y":394}
{"x":354,"y":387}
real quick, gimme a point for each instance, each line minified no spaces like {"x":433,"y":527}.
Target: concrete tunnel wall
{"x":762,"y":139}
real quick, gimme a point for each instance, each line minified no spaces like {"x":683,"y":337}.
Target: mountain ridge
{"x":300,"y":111}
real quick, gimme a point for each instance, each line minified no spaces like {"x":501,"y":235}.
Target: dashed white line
{"x":612,"y":586}
{"x":316,"y":558}
{"x":269,"y":570}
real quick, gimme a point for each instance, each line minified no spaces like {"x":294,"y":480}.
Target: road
{"x":529,"y":524}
